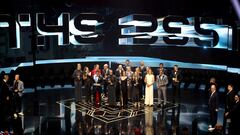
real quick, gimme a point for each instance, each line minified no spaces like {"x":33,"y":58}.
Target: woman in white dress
{"x":149,"y":81}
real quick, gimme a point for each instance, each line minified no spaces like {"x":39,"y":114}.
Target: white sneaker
{"x":21,"y":113}
{"x":211,"y":129}
{"x":15,"y":116}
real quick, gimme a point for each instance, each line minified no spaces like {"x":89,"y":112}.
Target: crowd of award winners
{"x":124,"y":84}
{"x":136,"y":83}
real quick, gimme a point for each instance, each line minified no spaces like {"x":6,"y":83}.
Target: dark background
{"x":112,"y":10}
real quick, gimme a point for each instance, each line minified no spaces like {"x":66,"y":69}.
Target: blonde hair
{"x":150,"y":70}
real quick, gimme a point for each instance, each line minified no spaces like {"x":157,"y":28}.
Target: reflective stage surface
{"x":108,"y":114}
{"x":54,"y":111}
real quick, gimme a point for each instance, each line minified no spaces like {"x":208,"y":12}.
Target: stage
{"x":56,"y":112}
{"x":107,"y":114}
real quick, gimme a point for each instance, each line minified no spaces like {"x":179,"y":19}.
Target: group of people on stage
{"x":10,"y":103}
{"x":232,"y":108}
{"x":124,"y":84}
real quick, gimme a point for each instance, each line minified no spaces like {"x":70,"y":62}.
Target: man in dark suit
{"x":127,"y":64}
{"x":5,"y":103}
{"x":142,"y":68}
{"x":230,"y":102}
{"x":5,"y":93}
{"x":234,"y":115}
{"x":176,"y":80}
{"x":213,"y":105}
{"x":212,"y":80}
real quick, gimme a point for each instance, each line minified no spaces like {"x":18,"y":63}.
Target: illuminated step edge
{"x":152,"y":62}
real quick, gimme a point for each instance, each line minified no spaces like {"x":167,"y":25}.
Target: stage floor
{"x":109,"y":114}
{"x":54,"y":111}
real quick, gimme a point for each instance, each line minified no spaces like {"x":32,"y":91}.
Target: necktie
{"x":16,"y":85}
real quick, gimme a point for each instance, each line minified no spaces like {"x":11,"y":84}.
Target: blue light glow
{"x":4,"y":24}
{"x":152,"y":62}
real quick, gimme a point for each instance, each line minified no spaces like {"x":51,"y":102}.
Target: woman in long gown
{"x":87,"y":83}
{"x":129,"y":74}
{"x":149,"y":80}
{"x":112,"y":80}
{"x":123,"y":90}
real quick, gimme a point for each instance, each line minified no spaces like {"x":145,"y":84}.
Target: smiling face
{"x":175,"y":68}
{"x":230,"y":87}
{"x":161,"y":72}
{"x":213,"y":88}
{"x":105,"y":66}
{"x":16,"y":77}
{"x":97,"y":67}
{"x":149,"y":71}
{"x":79,"y":66}
{"x":6,"y":77}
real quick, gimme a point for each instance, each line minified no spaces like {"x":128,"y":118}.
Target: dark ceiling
{"x":213,"y":8}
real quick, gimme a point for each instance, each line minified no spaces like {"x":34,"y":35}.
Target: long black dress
{"x":124,"y":94}
{"x":136,"y":88}
{"x":87,"y":83}
{"x":112,"y":80}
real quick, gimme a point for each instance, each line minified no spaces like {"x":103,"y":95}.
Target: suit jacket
{"x":125,"y":67}
{"x":20,"y":87}
{"x":208,"y":86}
{"x":230,"y":101}
{"x":142,"y":69}
{"x":162,"y":82}
{"x":164,"y":71}
{"x":105,"y":72}
{"x":77,"y":73}
{"x":178,"y":76}
{"x":213,"y":101}
{"x":4,"y":91}
{"x":234,"y":114}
